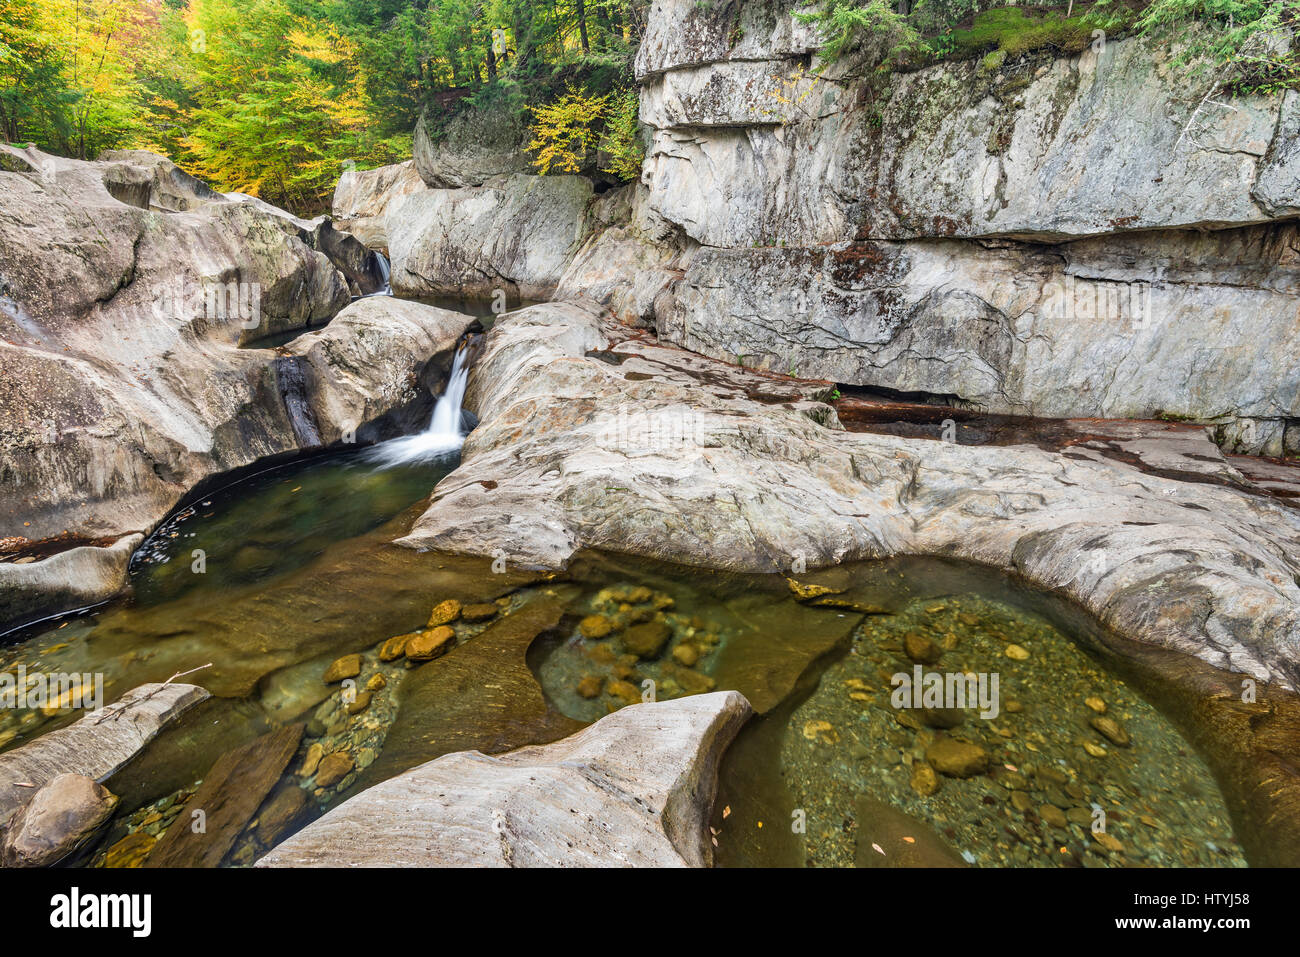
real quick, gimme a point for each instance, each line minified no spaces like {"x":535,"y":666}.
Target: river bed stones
{"x":395,"y":647}
{"x":478,"y":612}
{"x":444,"y":613}
{"x":431,"y":643}
{"x":333,"y":768}
{"x":924,"y":780}
{"x":595,"y":627}
{"x":647,"y":640}
{"x":349,"y":666}
{"x":1112,"y":730}
{"x":1025,"y":795}
{"x":921,"y":649}
{"x":958,"y":759}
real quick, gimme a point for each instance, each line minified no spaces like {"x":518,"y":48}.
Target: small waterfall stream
{"x":443,"y":434}
{"x":381,"y":264}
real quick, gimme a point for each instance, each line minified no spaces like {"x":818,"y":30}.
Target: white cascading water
{"x":443,"y":434}
{"x":386,"y":289}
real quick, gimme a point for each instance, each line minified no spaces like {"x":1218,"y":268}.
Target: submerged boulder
{"x":635,"y":788}
{"x":62,"y":816}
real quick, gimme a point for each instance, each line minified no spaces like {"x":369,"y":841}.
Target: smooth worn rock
{"x":646,"y":773}
{"x":515,"y":234}
{"x":647,"y":640}
{"x":1111,"y":729}
{"x":132,"y":320}
{"x":333,"y":769}
{"x":395,"y":647}
{"x":75,"y":578}
{"x":362,"y":197}
{"x":60,"y":817}
{"x":479,"y":612}
{"x":96,"y":745}
{"x":957,"y":759}
{"x":924,"y":781}
{"x":921,"y":649}
{"x":570,"y":446}
{"x":431,"y":643}
{"x":281,"y":811}
{"x":229,"y":796}
{"x":446,"y":705}
{"x":887,"y":837}
{"x":349,"y":666}
{"x":371,"y":371}
{"x":127,"y":381}
{"x":595,"y":627}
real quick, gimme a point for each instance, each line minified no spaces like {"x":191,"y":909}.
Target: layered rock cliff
{"x":1087,"y":235}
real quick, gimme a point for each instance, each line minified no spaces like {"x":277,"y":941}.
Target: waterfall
{"x":385,"y":285}
{"x":443,"y":433}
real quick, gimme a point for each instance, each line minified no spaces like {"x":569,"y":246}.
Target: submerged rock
{"x":231,"y":792}
{"x":888,"y":837}
{"x":958,"y":759}
{"x":647,"y":773}
{"x":61,"y":816}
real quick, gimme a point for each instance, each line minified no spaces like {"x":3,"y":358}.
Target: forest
{"x":277,"y":97}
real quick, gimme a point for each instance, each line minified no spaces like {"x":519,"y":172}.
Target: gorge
{"x":495,"y":497}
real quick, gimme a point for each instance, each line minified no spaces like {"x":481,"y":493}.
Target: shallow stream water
{"x":298,"y":569}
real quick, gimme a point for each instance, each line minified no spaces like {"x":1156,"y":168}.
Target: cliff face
{"x":1072,"y":236}
{"x":1085,"y":235}
{"x":752,"y":144}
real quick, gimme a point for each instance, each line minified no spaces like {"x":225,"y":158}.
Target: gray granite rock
{"x":634,"y":789}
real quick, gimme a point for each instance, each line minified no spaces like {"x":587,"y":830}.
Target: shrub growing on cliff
{"x":622,"y":142}
{"x":1252,"y":43}
{"x":568,"y":132}
{"x":565,"y":131}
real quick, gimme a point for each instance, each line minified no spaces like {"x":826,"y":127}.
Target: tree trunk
{"x":582,"y":26}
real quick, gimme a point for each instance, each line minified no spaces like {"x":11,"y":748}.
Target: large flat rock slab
{"x":593,"y":436}
{"x":633,"y":789}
